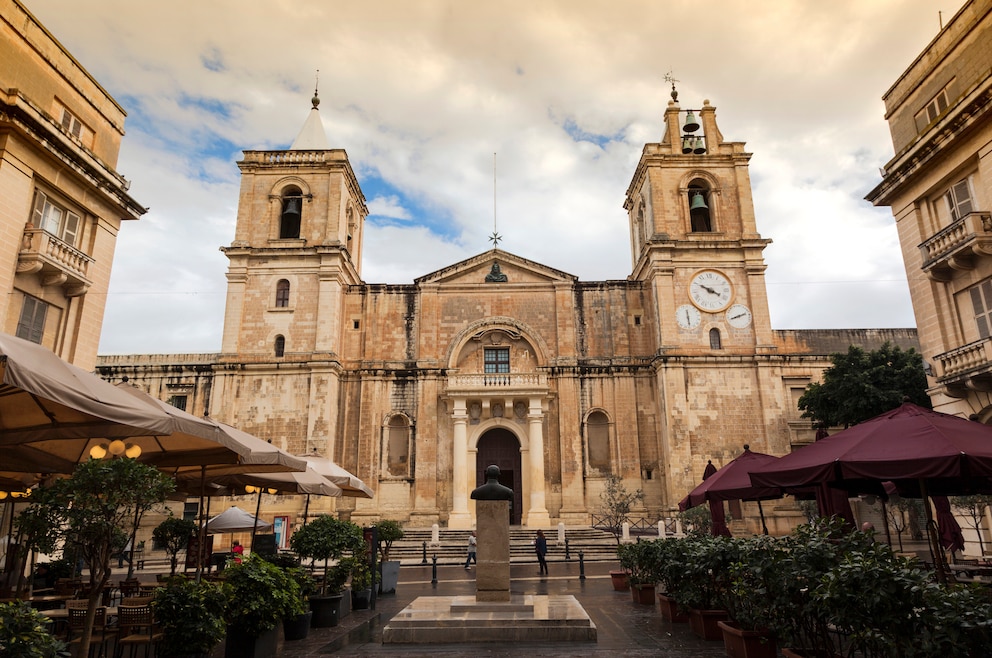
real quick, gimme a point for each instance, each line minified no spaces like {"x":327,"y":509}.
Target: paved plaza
{"x":624,"y":627}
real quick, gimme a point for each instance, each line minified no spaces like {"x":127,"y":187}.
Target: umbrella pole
{"x":306,"y":511}
{"x":933,"y":540}
{"x":258,"y":510}
{"x":202,"y":534}
{"x":761,"y":513}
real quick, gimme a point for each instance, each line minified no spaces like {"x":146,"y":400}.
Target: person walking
{"x":541,"y":548}
{"x":472,"y":545}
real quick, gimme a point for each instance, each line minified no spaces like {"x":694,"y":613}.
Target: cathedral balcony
{"x":958,"y":247}
{"x":490,"y":384}
{"x":967,"y":368}
{"x":55,"y":262}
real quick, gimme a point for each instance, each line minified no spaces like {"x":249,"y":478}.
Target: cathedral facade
{"x":496,"y":359}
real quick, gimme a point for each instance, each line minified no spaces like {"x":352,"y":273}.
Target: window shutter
{"x":71,"y":228}
{"x":39,"y":208}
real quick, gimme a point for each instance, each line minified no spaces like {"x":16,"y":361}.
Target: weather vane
{"x":670,"y":77}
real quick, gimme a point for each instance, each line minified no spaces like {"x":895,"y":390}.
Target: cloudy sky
{"x":421,"y":94}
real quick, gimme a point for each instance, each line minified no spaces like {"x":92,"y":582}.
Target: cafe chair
{"x":103,"y":633}
{"x":136,"y":628}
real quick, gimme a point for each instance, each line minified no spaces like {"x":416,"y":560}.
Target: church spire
{"x":312,"y":136}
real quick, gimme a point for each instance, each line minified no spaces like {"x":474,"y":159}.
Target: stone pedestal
{"x":492,"y":579}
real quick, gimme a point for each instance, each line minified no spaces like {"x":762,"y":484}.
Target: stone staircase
{"x":596,"y":545}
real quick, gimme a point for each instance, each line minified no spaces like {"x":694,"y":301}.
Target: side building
{"x":497,"y":359}
{"x":61,"y":200}
{"x":939,"y":186}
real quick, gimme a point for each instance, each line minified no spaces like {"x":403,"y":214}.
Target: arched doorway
{"x":499,"y":446}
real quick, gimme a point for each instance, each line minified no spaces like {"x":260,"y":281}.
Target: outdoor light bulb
{"x":250,"y":489}
{"x":3,"y":494}
{"x":98,"y":452}
{"x":273,"y":491}
{"x":117,"y":447}
{"x":133,"y":451}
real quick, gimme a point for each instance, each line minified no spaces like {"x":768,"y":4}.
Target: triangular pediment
{"x":510,"y":269}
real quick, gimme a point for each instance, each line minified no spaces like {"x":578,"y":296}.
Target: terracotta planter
{"x":642,"y":593}
{"x":704,"y":623}
{"x":670,"y":610}
{"x":747,"y":644}
{"x":621,"y":581}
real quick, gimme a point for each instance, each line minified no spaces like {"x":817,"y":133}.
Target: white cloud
{"x":388,"y":206}
{"x":423,"y":93}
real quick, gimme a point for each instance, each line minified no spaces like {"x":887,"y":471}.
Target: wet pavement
{"x":623,"y":626}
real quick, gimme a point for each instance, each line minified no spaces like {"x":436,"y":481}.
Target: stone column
{"x":537,"y":515}
{"x":492,"y":511}
{"x":492,"y":576}
{"x":459,"y":517}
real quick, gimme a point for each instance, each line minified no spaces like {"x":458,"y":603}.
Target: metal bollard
{"x":434,"y":570}
{"x":425,"y":554}
{"x":567,"y":556}
{"x":582,"y":566}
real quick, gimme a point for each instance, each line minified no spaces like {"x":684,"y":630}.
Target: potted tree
{"x":259,"y":596}
{"x":190,"y":615}
{"x":173,"y":534}
{"x":296,"y":626}
{"x":747,"y":634}
{"x":361,"y":584}
{"x":707,"y":577}
{"x":617,"y":504}
{"x":638,"y":560}
{"x":92,"y":514}
{"x":670,"y":558}
{"x":388,"y":532}
{"x":24,"y":633}
{"x":324,"y":539}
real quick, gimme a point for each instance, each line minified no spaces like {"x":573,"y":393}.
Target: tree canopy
{"x":861,"y":385}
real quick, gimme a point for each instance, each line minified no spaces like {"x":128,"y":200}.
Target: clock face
{"x":739,"y":316}
{"x":710,"y":291}
{"x":688,"y":316}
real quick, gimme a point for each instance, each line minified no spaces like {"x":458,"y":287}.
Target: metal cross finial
{"x":495,"y":238}
{"x":670,"y":77}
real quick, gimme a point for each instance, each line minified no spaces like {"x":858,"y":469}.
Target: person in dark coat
{"x":541,"y":548}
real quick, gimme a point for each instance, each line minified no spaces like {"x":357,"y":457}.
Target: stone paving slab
{"x":622,"y":626}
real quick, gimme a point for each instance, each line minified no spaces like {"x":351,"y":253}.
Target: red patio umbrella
{"x":922,"y":452}
{"x":733,"y":482}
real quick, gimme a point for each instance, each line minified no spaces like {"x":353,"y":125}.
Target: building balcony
{"x":967,"y":368}
{"x":54,"y":262}
{"x":958,"y":247}
{"x":487,"y":384}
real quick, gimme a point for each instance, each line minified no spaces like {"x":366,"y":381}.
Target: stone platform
{"x":461,"y":619}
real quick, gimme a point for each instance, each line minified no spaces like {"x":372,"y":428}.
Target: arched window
{"x":282,"y":293}
{"x":280,"y":346}
{"x":699,"y":207}
{"x":598,"y":442}
{"x":715,"y":342}
{"x":396,"y":446}
{"x":290,"y":213}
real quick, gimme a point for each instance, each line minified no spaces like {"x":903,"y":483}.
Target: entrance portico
{"x":505,"y":405}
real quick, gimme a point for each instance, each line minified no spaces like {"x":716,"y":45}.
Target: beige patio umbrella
{"x":350,"y":485}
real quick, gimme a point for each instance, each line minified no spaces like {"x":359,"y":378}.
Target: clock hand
{"x":708,"y":289}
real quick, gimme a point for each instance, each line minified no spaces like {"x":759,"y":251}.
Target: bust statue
{"x":495,"y":275}
{"x":492,"y":489}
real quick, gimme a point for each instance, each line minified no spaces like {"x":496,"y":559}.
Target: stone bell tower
{"x":297,"y":245}
{"x":694,"y":239}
